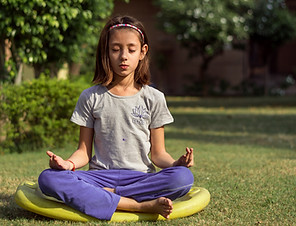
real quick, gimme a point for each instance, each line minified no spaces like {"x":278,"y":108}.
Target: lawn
{"x":245,"y":155}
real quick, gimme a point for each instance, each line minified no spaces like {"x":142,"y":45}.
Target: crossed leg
{"x":98,"y":193}
{"x":162,"y":205}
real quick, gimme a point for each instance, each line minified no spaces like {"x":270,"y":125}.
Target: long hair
{"x":103,"y":72}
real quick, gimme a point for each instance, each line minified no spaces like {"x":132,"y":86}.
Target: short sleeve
{"x":160,"y":113}
{"x":83,"y":112}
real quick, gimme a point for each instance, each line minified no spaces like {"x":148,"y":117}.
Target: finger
{"x":187,"y":154}
{"x":188,"y":150}
{"x":191,"y":158}
{"x":49,"y":153}
{"x":191,"y":154}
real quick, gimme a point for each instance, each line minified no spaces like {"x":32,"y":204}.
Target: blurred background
{"x":198,"y":47}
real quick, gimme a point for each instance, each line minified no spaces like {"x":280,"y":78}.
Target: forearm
{"x":163,"y":160}
{"x":80,"y":158}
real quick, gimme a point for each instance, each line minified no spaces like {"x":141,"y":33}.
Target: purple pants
{"x":83,"y":191}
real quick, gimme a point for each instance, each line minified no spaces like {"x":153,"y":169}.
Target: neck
{"x":124,"y":86}
{"x":124,"y":81}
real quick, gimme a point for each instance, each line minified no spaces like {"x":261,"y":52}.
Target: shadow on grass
{"x":272,"y":131}
{"x":9,"y":210}
{"x":232,"y":102}
{"x":236,"y":123}
{"x":232,"y":140}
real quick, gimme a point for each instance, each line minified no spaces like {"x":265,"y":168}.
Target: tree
{"x":204,"y":27}
{"x":46,"y":33}
{"x":270,"y":25}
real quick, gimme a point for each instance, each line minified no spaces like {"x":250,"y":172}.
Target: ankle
{"x":110,"y":189}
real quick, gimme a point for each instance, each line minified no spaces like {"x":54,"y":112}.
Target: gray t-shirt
{"x":122,"y":126}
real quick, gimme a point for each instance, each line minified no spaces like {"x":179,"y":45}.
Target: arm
{"x":80,"y":157}
{"x":161,"y":158}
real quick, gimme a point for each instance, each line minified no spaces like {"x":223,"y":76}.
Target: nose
{"x":123,"y":55}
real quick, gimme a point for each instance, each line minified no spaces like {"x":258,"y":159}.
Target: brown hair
{"x":103,"y":72}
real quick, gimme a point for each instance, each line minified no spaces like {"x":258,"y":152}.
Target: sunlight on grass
{"x":245,"y":155}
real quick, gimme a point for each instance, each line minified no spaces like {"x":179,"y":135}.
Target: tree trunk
{"x":3,"y":71}
{"x":38,"y":69}
{"x":203,"y":77}
{"x":19,"y":76}
{"x":18,"y":63}
{"x":74,"y":69}
{"x":53,"y":70}
{"x":260,"y":56}
{"x":266,"y":80}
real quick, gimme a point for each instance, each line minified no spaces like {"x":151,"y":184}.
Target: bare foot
{"x":162,"y":206}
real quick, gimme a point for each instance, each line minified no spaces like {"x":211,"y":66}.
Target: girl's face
{"x":125,"y":52}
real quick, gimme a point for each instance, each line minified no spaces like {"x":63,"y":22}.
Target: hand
{"x":56,"y":162}
{"x":186,"y":160}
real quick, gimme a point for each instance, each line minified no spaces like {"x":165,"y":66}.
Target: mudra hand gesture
{"x":186,"y":159}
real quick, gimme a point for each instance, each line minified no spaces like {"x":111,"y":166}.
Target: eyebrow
{"x":119,"y":44}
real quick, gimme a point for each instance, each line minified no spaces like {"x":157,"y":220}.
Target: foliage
{"x":270,"y":25}
{"x":49,"y":32}
{"x":37,"y":113}
{"x":271,"y":22}
{"x":203,"y":26}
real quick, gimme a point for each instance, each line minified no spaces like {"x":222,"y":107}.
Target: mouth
{"x":123,"y":66}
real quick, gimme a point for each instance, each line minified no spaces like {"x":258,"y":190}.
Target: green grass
{"x":245,"y":155}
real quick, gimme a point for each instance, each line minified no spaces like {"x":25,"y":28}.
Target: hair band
{"x":127,"y":25}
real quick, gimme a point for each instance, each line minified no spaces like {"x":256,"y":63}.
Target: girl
{"x":124,"y":118}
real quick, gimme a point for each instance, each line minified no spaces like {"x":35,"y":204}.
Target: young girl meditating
{"x":123,"y":118}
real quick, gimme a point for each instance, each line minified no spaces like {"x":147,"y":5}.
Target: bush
{"x":36,"y":114}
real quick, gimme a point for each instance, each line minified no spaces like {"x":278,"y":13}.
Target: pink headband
{"x":127,"y":25}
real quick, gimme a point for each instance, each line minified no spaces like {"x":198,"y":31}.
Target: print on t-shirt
{"x":140,"y":113}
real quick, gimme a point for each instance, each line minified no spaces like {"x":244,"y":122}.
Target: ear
{"x":144,"y":50}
